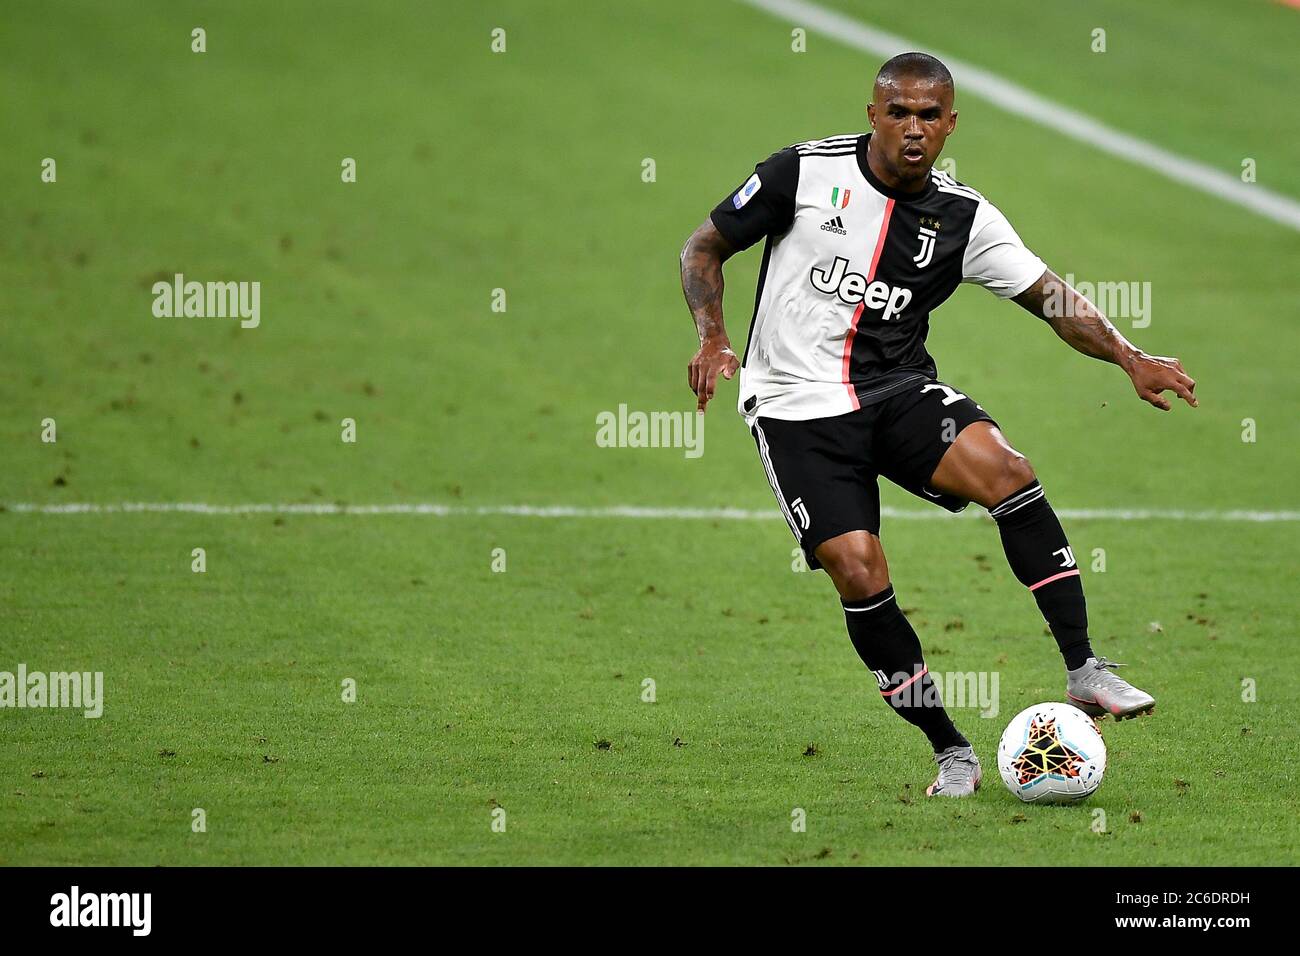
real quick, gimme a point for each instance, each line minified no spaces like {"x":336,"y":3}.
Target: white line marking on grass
{"x":1021,"y":102}
{"x":613,"y":511}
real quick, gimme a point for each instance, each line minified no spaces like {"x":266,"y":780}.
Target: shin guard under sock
{"x":1042,"y":560}
{"x":888,"y":645}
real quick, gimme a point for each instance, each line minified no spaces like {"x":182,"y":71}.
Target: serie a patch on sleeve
{"x":752,"y":185}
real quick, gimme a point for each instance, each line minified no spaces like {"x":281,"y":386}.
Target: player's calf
{"x":1043,"y":561}
{"x":887,"y":644}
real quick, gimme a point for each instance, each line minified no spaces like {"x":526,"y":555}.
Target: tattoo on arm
{"x":702,"y":260}
{"x":1076,"y":320}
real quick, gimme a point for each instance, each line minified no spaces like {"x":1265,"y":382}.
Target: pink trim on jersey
{"x":857,"y":313}
{"x":1055,"y":577}
{"x":911,"y":680}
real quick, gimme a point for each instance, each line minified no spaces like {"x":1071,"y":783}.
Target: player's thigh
{"x":820,"y":472}
{"x":917,"y":430}
{"x":982,"y":466}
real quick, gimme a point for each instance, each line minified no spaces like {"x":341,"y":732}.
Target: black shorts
{"x":824,"y":471}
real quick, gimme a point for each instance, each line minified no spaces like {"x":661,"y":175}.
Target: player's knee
{"x":857,"y":571}
{"x":857,"y":581}
{"x":1013,"y":473}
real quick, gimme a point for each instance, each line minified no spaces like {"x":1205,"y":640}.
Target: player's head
{"x":911,"y":113}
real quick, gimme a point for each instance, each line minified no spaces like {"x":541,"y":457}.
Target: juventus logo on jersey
{"x":801,"y":512}
{"x":927,"y":237}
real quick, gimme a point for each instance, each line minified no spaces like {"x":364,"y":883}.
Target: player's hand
{"x":1153,"y":374}
{"x":714,"y":357}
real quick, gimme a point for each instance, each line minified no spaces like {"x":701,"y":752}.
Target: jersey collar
{"x":896,"y":194}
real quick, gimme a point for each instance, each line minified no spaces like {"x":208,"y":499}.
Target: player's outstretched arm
{"x":702,"y":258}
{"x":1078,"y":322}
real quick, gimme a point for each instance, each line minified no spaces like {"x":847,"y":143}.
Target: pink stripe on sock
{"x":1055,"y":577}
{"x":910,"y":680}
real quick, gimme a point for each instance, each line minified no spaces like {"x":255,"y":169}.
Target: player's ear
{"x":952,"y":122}
{"x":871,"y":114}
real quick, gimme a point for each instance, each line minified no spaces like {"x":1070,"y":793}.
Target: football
{"x":1052,"y":753}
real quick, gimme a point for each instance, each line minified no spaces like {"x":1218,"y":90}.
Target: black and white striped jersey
{"x":851,"y":272}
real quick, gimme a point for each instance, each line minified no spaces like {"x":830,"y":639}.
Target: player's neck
{"x":890,"y":176}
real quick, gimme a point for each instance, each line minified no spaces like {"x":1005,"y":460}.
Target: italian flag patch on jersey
{"x":839,"y":197}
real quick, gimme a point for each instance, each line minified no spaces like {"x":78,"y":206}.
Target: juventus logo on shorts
{"x":1067,"y":556}
{"x":922,"y":258}
{"x":801,"y":512}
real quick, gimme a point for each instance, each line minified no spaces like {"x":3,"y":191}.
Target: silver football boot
{"x":959,"y":773}
{"x":1097,"y":692}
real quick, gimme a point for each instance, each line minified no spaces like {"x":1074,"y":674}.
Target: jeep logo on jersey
{"x":852,"y":287}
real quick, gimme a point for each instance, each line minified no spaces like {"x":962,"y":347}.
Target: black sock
{"x":885,"y":641}
{"x":1042,"y":560}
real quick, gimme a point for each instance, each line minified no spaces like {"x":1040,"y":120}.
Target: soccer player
{"x":864,"y":239}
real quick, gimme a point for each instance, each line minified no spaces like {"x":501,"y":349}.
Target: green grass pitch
{"x":479,"y":691}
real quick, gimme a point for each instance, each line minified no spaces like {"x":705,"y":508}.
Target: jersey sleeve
{"x":996,"y":258}
{"x":764,"y":203}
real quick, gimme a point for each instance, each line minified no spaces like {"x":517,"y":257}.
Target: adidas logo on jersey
{"x":836,"y":226}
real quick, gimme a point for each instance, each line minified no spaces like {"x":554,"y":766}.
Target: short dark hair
{"x":918,"y":65}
